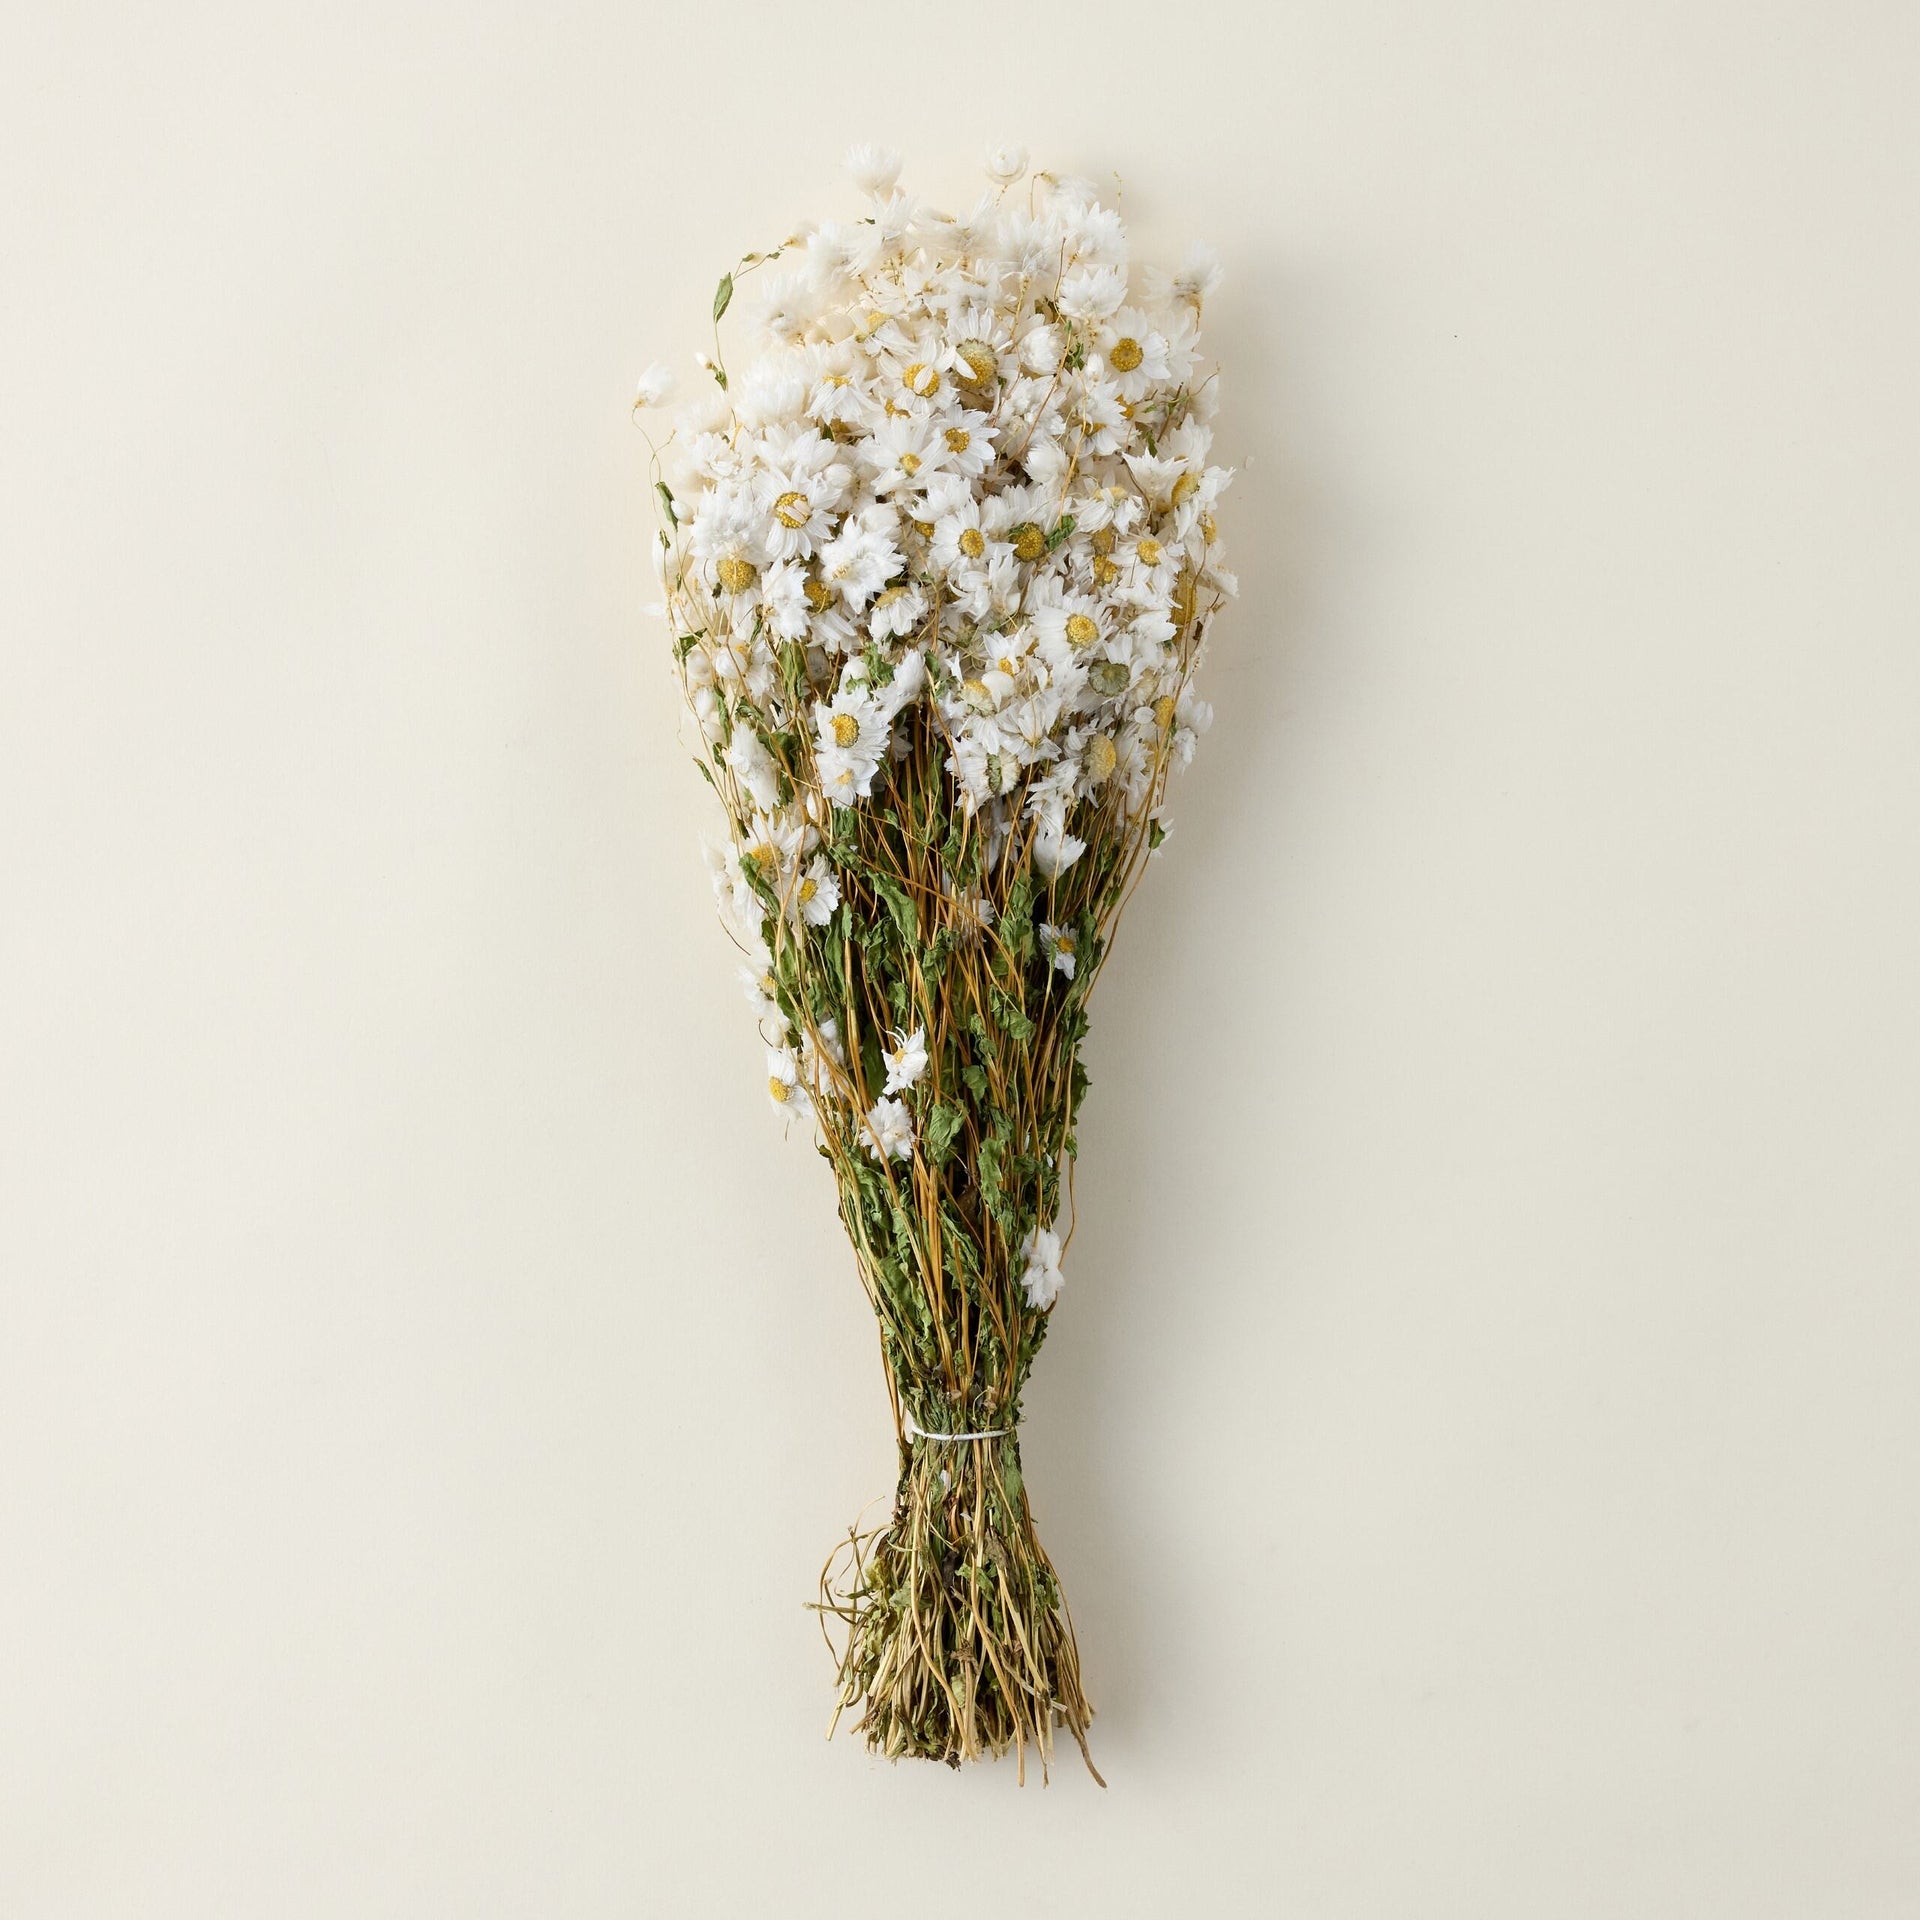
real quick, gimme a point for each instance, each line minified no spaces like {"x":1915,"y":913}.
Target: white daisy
{"x":785,"y":599}
{"x":785,"y":1088}
{"x":852,"y":734}
{"x":756,"y":978}
{"x":889,"y":1131}
{"x":968,"y":439}
{"x":874,"y":169}
{"x":1091,"y":293}
{"x":1005,"y":165}
{"x":1074,"y":622}
{"x":959,"y":540}
{"x":903,"y":452}
{"x":825,"y":1042}
{"x":897,"y":612}
{"x":1061,"y":947}
{"x":1040,"y":1277}
{"x":753,"y":766}
{"x":858,"y":561}
{"x":1133,"y":353}
{"x":816,"y":893}
{"x":723,"y":542}
{"x":908,"y":1060}
{"x":656,"y":385}
{"x":1199,"y":276}
{"x":798,"y":510}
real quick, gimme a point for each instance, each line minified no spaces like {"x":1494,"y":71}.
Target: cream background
{"x":1481,"y":1436}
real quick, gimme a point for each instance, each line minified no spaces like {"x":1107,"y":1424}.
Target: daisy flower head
{"x":851,"y":739}
{"x":888,"y":1130}
{"x":1091,"y":293}
{"x":903,"y":453}
{"x":959,"y":541}
{"x":655,"y":386}
{"x":756,"y":979}
{"x":1061,"y":947}
{"x":747,"y":757}
{"x":786,"y":601}
{"x":907,"y":1060}
{"x":1200,"y":275}
{"x":823,"y":1043}
{"x":858,"y":561}
{"x":1005,"y":165}
{"x":816,"y":893}
{"x":785,"y":1087}
{"x":723,"y":542}
{"x":875,"y":170}
{"x":1070,"y":624}
{"x":897,"y":611}
{"x":1054,"y":851}
{"x":797,"y":509}
{"x":1040,"y":1275}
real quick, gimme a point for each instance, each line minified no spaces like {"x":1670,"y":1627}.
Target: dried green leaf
{"x":943,"y":1123}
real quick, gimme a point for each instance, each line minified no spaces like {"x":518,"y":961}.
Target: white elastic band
{"x":915,"y":1431}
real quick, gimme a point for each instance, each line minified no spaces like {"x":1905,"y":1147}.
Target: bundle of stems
{"x":956,"y":1637}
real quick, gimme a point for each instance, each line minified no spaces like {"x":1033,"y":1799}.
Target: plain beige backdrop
{"x":1481,"y":1438}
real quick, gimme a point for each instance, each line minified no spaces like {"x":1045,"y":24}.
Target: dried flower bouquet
{"x":939,"y":565}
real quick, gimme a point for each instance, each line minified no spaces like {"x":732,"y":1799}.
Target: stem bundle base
{"x":958,"y":1644}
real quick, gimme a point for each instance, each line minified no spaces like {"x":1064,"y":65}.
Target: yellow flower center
{"x":1149,"y":551}
{"x":1126,"y":354}
{"x":981,"y":360}
{"x":1063,"y":942}
{"x":762,"y":855}
{"x":735,"y":574}
{"x":779,"y":1089}
{"x":808,"y":888}
{"x":1080,"y":630}
{"x":792,"y":510}
{"x":1101,"y":757}
{"x":1184,"y":487}
{"x":1029,"y":541}
{"x":922,"y":380}
{"x":819,"y":595}
{"x":973,"y":543}
{"x":978,"y":692}
{"x":846,"y":729}
{"x":1008,"y":665}
{"x":1209,"y":531}
{"x":909,"y":464}
{"x":1104,"y":570}
{"x":958,"y":439}
{"x":1164,"y":709}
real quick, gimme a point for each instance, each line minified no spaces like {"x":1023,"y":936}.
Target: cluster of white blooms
{"x":966,"y":466}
